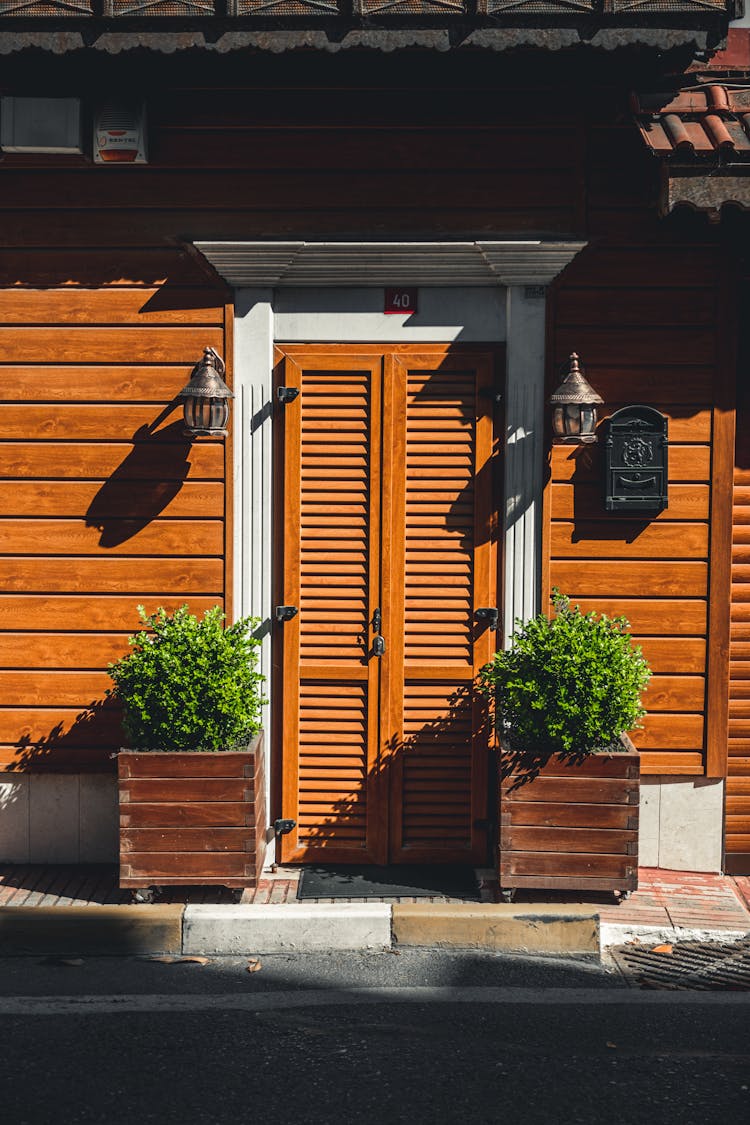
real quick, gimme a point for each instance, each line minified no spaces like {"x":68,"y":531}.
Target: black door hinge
{"x":286,"y":395}
{"x":283,"y":827}
{"x":488,"y":614}
{"x":286,"y":612}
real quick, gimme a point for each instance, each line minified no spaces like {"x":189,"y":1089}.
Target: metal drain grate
{"x":690,"y":965}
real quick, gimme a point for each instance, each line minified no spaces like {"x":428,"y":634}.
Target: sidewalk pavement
{"x":81,"y":910}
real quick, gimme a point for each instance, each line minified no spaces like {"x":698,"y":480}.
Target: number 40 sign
{"x":401,"y":300}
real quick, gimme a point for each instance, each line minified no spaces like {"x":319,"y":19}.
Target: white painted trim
{"x":253,"y":468}
{"x":524,"y":429}
{"x":355,"y":315}
{"x":448,"y":312}
{"x":321,"y":264}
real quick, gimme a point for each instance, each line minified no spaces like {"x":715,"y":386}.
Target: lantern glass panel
{"x":572,"y":419}
{"x":206,"y":415}
{"x":588,"y":419}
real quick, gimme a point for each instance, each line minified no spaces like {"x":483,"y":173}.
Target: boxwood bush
{"x":570,"y":683}
{"x":189,"y":684}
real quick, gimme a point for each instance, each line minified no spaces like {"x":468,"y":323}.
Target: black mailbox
{"x":635,"y":459}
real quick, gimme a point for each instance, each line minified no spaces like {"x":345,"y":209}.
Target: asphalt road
{"x":415,"y":1037}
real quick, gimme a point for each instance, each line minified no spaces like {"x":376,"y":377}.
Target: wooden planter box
{"x":573,"y":827}
{"x":188,"y":818}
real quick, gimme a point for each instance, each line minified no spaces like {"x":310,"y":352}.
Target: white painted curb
{"x":286,"y":928}
{"x":616,"y":933}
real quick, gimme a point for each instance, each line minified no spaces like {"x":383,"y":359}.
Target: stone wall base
{"x":681,"y":823}
{"x":58,"y":818}
{"x":73,"y":818}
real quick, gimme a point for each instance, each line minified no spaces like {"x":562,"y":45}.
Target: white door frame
{"x":309,"y":292}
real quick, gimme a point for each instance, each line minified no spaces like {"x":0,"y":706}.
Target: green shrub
{"x":570,"y":684}
{"x":189,"y":684}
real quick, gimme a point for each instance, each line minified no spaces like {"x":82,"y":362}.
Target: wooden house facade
{"x":524,"y":203}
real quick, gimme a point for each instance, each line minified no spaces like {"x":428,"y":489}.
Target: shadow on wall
{"x":179,"y":276}
{"x":88,"y":742}
{"x":144,"y":484}
{"x":137,"y":491}
{"x":587,"y":479}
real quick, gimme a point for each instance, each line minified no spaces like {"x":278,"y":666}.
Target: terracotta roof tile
{"x":740,"y":138}
{"x":701,"y":121}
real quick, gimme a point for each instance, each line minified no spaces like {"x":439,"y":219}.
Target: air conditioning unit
{"x":120,"y":133}
{"x":41,"y":125}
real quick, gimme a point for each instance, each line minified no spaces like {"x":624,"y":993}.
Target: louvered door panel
{"x":335,"y":516}
{"x":331,"y":518}
{"x":436,"y":774}
{"x":442,"y":545}
{"x":439,"y":517}
{"x":333,"y":765}
{"x":387,"y":503}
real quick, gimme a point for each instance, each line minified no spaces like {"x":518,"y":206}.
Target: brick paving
{"x":682,"y":898}
{"x":664,"y":898}
{"x":742,"y":882}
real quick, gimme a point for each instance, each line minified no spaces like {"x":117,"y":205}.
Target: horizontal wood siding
{"x":737,"y":826}
{"x":646,"y":325}
{"x":101,"y":318}
{"x":313,"y":155}
{"x":103,"y":503}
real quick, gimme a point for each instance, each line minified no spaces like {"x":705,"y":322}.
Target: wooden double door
{"x":387,"y":544}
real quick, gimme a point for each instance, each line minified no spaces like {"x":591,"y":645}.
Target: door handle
{"x":378,"y":642}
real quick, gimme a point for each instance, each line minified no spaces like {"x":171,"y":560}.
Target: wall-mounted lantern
{"x":574,"y":406}
{"x":206,"y":398}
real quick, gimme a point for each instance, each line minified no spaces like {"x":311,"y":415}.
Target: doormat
{"x":410,"y":881}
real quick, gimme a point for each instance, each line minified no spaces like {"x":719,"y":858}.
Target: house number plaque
{"x":401,"y":300}
{"x":635,"y":458}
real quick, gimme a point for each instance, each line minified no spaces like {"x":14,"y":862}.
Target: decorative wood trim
{"x":378,"y":537}
{"x":546,"y":543}
{"x":535,"y":8}
{"x":662,"y":6}
{"x":229,"y":561}
{"x":428,"y":8}
{"x":161,"y":8}
{"x":273,"y":8}
{"x":38,"y":8}
{"x":277,"y":581}
{"x":393,"y":587}
{"x":289,"y":591}
{"x":720,"y":576}
{"x":486,"y":533}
